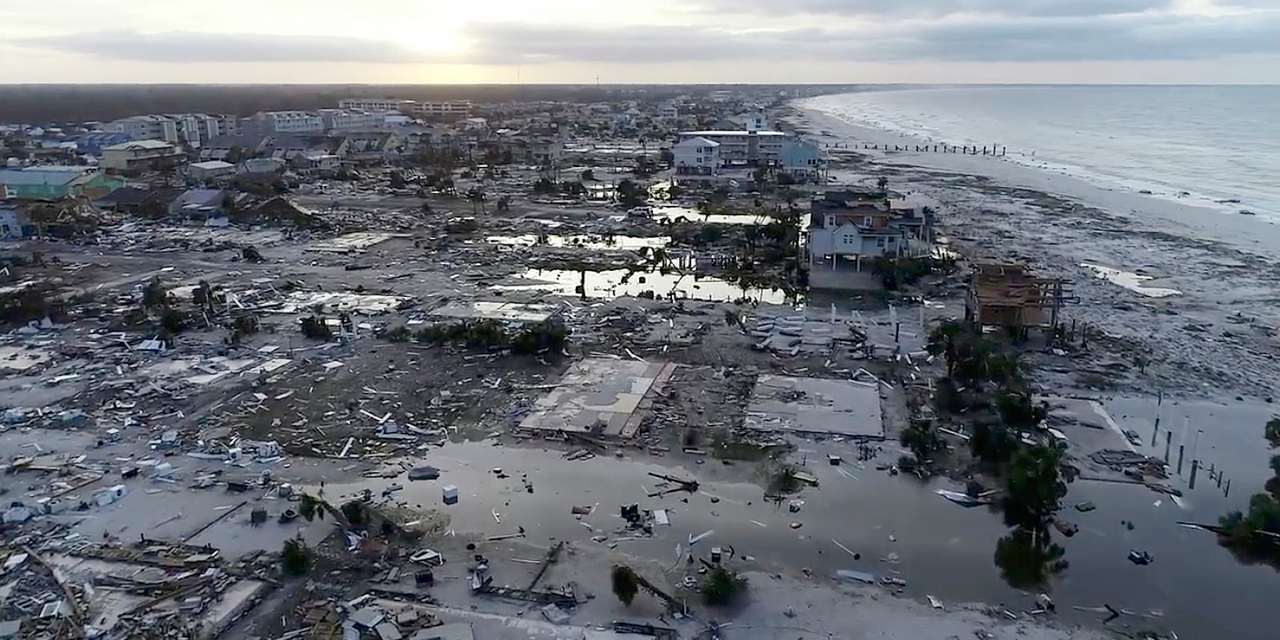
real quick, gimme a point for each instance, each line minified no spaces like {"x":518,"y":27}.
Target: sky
{"x":635,"y":41}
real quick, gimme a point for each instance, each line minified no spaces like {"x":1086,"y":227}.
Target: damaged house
{"x":1006,"y":294}
{"x":862,"y":226}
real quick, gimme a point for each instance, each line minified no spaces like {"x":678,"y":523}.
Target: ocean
{"x":1213,"y":146}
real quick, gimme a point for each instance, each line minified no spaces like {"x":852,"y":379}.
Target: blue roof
{"x":44,"y":175}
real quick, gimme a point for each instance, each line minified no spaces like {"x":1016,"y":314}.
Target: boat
{"x":960,"y":498}
{"x":1139,"y":557}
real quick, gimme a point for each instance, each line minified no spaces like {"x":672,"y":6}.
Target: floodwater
{"x":897,"y":524}
{"x":595,"y":242}
{"x":1131,"y":281}
{"x":690,"y":214}
{"x":613,"y":283}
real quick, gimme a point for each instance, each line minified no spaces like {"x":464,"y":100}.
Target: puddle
{"x":903,"y":528}
{"x":613,"y":283}
{"x":690,"y":214}
{"x":598,"y":242}
{"x":1131,"y":281}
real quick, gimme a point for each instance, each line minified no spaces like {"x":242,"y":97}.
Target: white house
{"x":316,"y":160}
{"x":668,"y":111}
{"x":210,"y":170}
{"x":755,"y":121}
{"x":138,"y":155}
{"x":697,"y":156}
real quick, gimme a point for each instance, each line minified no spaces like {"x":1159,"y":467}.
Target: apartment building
{"x":191,"y":129}
{"x":288,"y":121}
{"x":379,"y":105}
{"x":452,"y":108}
{"x":351,"y":119}
{"x":145,"y":127}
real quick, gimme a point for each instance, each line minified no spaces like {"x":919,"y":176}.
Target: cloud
{"x":522,"y":43}
{"x":195,"y":47}
{"x":1114,"y":38}
{"x":962,"y":38}
{"x":940,"y":8}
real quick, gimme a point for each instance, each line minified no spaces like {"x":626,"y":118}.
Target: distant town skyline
{"x":630,"y":41}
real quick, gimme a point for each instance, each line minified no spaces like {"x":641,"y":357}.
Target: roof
{"x":698,"y":141}
{"x":454,"y":631}
{"x":200,"y":197}
{"x":212,"y":165}
{"x":139,"y":144}
{"x":49,"y":174}
{"x":763,"y":134}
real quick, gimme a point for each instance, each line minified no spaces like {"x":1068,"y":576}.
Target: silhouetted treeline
{"x":47,"y":104}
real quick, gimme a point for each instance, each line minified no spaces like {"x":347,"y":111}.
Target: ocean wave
{"x":1229,"y":176}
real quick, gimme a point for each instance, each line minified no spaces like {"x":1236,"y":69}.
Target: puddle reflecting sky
{"x":1131,"y":281}
{"x":939,"y":548}
{"x":597,"y":242}
{"x":622,"y":282}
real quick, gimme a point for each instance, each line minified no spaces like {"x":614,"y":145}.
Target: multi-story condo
{"x":289,"y":121}
{"x":375,"y":104}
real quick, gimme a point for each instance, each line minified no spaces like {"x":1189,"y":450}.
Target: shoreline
{"x":1214,"y":339}
{"x":1256,"y":234}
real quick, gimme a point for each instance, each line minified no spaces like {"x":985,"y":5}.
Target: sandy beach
{"x":1214,"y":336}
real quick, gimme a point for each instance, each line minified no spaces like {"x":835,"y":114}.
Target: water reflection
{"x":1028,"y":559}
{"x":582,"y":241}
{"x":660,"y":283}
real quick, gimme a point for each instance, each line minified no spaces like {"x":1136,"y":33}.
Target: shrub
{"x":295,"y":557}
{"x":625,"y":584}
{"x":172,"y":320}
{"x":316,"y":328}
{"x":723,"y":587}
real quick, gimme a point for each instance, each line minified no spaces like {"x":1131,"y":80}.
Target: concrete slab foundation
{"x":815,"y":405}
{"x":600,"y":396}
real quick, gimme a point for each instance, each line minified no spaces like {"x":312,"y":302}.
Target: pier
{"x":995,"y":150}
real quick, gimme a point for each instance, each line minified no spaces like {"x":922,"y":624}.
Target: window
{"x":880,"y":242}
{"x":891,"y":240}
{"x":867,"y":221}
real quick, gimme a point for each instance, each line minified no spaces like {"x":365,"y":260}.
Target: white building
{"x":210,"y":170}
{"x":139,"y":155}
{"x":148,"y":127}
{"x":743,"y":147}
{"x":375,"y":104}
{"x":668,"y":111}
{"x":755,"y":121}
{"x":290,"y":121}
{"x":316,"y":161}
{"x":801,"y":159}
{"x":351,"y":119}
{"x":697,"y":156}
{"x":197,"y":129}
{"x":454,"y":108}
{"x":191,"y":129}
